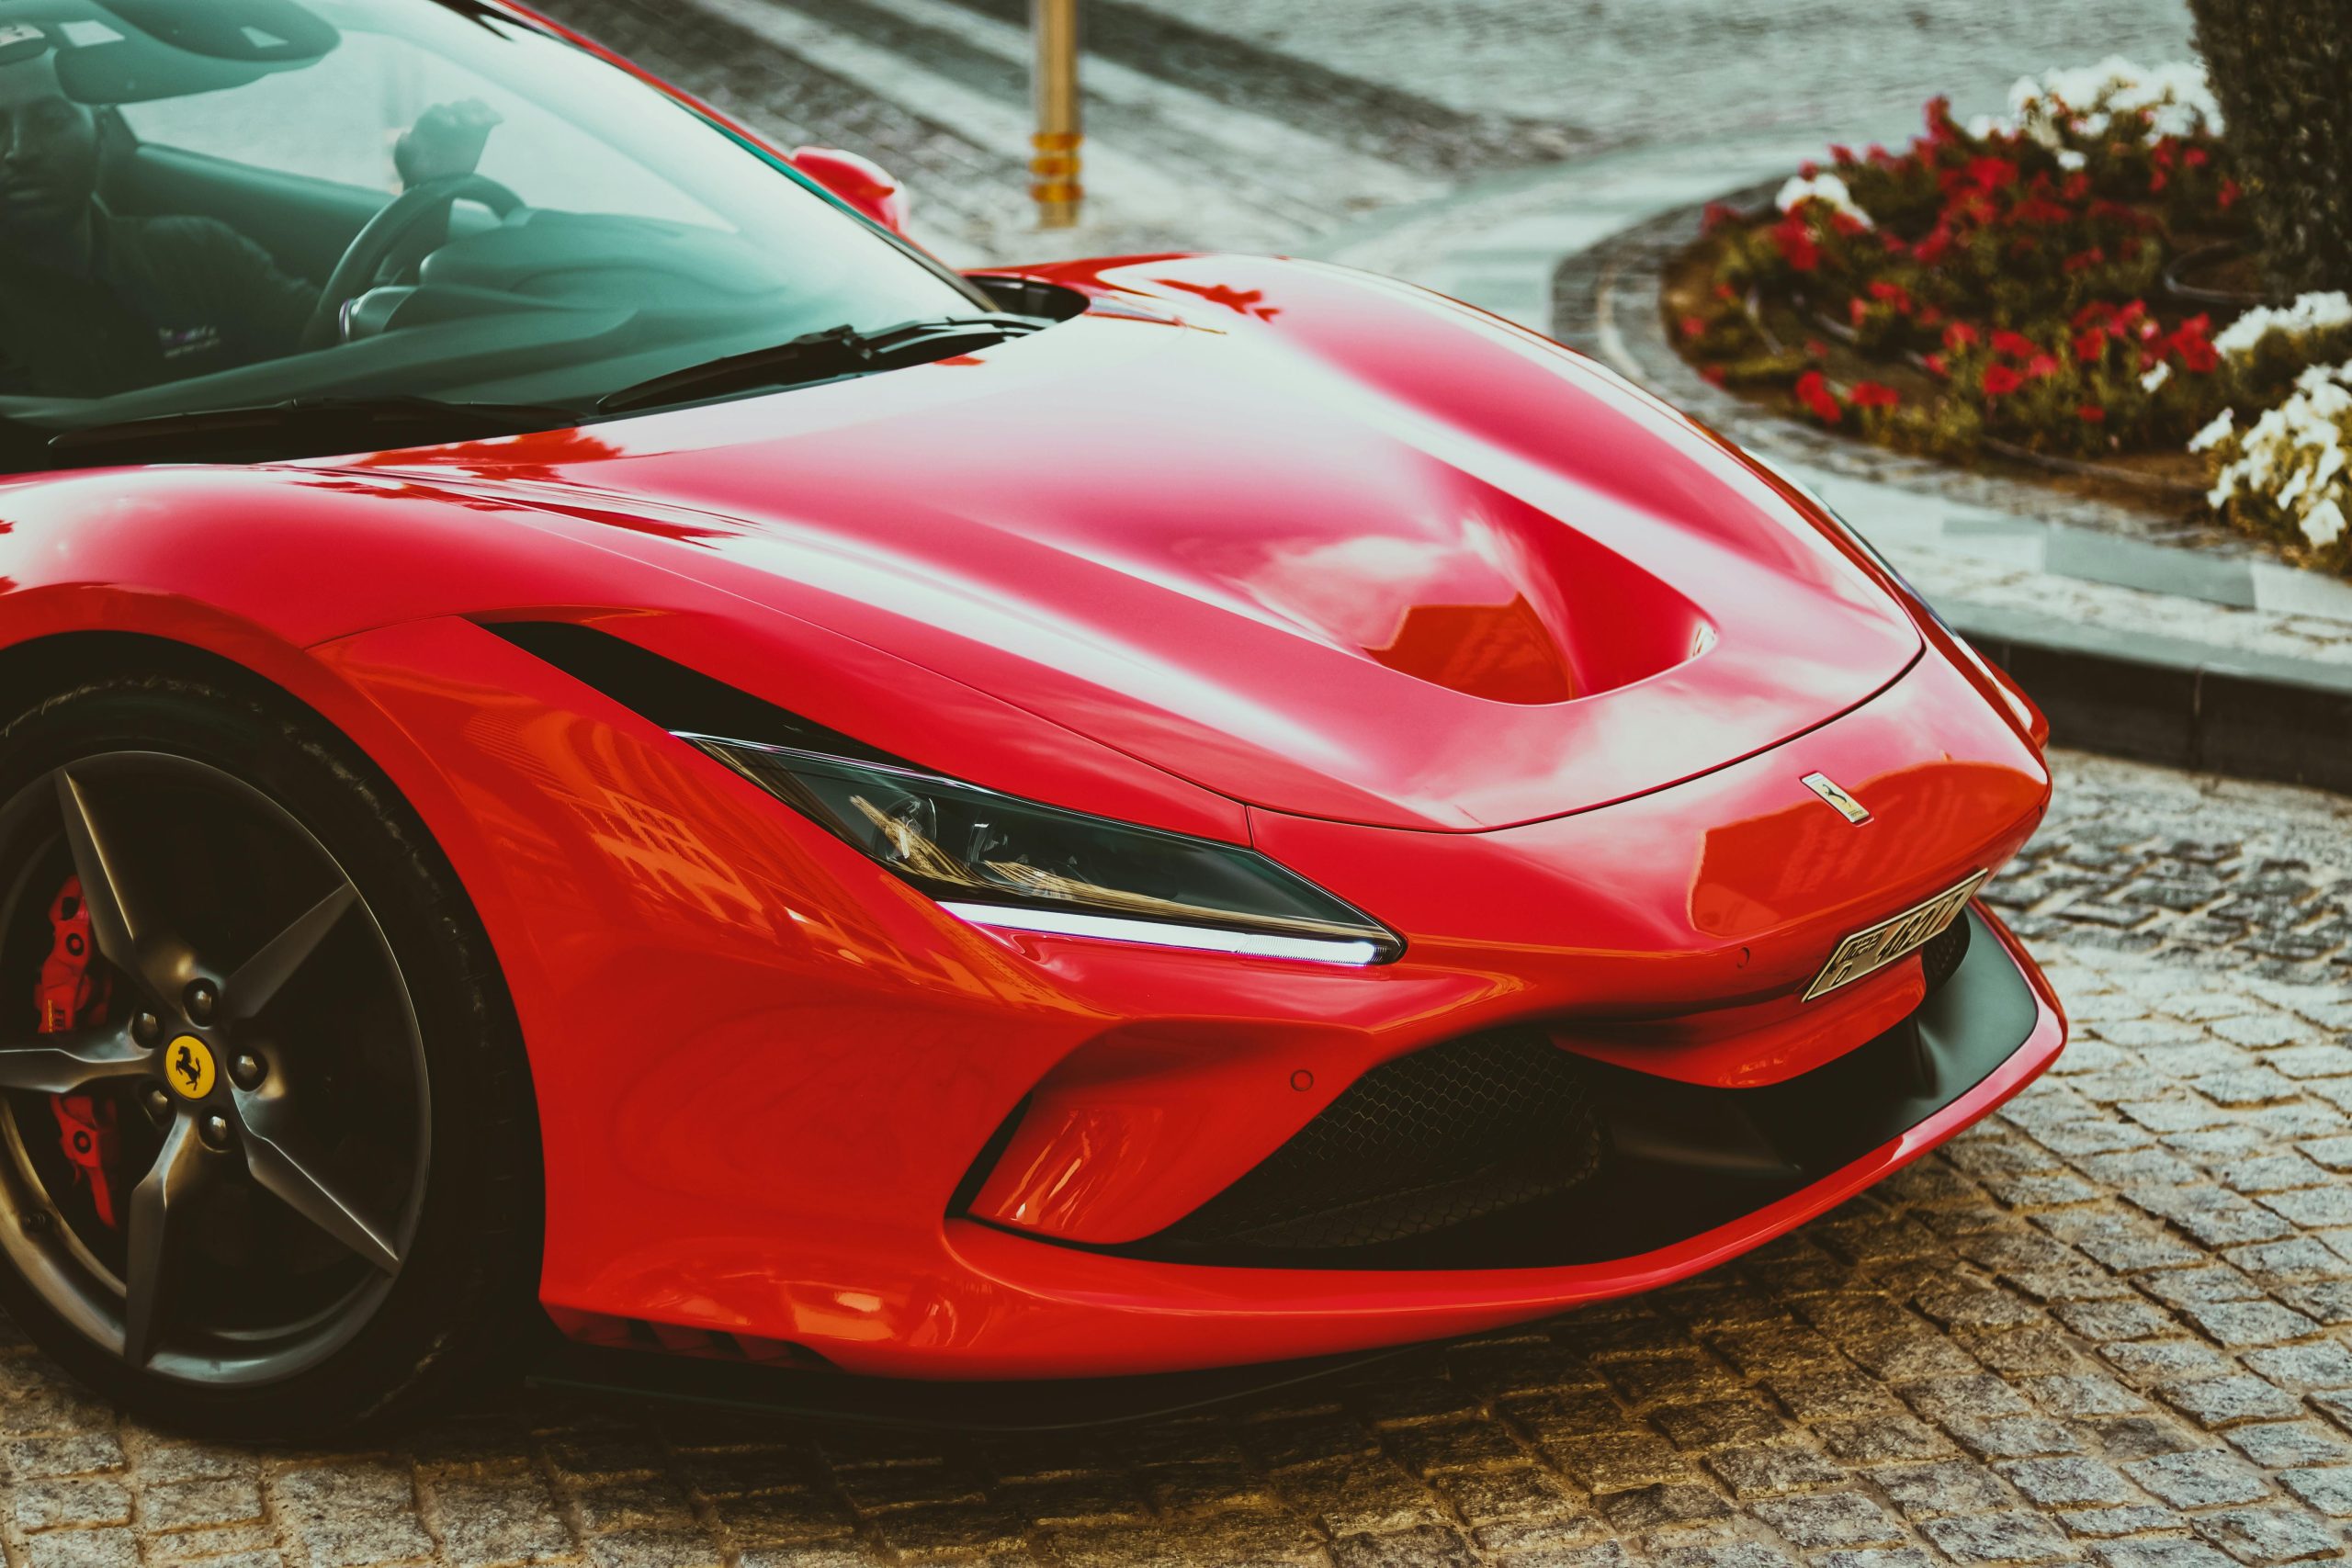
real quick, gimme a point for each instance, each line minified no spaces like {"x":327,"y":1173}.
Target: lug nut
{"x":202,"y":999}
{"x":215,"y":1130}
{"x":148,"y":1030}
{"x":247,"y":1069}
{"x":158,"y":1103}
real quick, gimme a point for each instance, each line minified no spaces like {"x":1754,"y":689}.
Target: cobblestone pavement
{"x":2106,"y":1325}
{"x":1251,"y":125}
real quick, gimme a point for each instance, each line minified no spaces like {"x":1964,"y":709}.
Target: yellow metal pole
{"x":1054,"y":166}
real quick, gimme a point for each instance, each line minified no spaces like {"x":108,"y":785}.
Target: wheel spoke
{"x":117,"y":919}
{"x":67,"y":1061}
{"x":296,"y":1179}
{"x":159,"y":1211}
{"x":259,"y":977}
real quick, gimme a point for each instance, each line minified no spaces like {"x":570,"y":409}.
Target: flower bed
{"x":2002,"y":288}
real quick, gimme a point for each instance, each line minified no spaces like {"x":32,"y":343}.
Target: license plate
{"x":1872,"y":948}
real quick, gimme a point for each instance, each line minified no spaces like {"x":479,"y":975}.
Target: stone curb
{"x":2157,"y":699}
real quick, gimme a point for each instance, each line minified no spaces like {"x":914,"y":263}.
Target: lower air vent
{"x":1425,"y":1142}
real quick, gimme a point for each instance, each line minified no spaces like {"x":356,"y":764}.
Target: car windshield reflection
{"x":217,"y":204}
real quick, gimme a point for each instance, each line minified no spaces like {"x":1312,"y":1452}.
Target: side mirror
{"x":860,"y":182}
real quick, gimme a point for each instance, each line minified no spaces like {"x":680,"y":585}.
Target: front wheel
{"x":268,"y":1158}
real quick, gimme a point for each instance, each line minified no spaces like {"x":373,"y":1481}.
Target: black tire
{"x":446,"y":1324}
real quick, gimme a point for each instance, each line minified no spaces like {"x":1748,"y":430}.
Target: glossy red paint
{"x":1434,"y":612}
{"x":860,"y":182}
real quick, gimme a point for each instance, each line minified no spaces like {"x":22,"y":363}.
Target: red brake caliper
{"x":71,"y":997}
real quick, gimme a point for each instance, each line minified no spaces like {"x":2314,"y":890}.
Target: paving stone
{"x":2274,"y":1534}
{"x":2136,"y":1518}
{"x":2014,"y":1537}
{"x":83,"y":1549}
{"x":2328,"y":1490}
{"x":2278,"y":1446}
{"x":2203,"y":1478}
{"x":78,"y":1503}
{"x":1822,"y":1521}
{"x":2068,"y":1482}
{"x":2224,"y":1401}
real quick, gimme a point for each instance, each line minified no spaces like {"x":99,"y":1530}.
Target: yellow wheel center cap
{"x":187,"y":1067}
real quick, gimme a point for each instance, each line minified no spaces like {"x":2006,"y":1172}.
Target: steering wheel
{"x":379,"y":240}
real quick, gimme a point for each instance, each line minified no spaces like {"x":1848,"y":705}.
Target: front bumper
{"x":768,"y":1072}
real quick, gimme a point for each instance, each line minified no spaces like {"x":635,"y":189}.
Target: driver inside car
{"x":92,"y":303}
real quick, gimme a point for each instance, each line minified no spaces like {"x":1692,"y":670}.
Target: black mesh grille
{"x":1425,"y":1141}
{"x":1942,"y":956}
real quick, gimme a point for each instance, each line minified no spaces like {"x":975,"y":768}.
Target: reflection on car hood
{"x":1323,"y":544}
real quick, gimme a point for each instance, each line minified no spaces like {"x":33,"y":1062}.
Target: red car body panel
{"x":1434,"y":612}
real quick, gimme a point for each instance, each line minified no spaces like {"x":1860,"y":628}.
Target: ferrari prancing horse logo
{"x":1830,"y":790}
{"x":187,"y":1067}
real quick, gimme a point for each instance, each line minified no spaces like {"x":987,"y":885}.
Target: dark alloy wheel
{"x":229,"y":1190}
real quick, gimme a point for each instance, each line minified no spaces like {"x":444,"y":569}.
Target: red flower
{"x":2156,"y":180}
{"x":1694,"y":326}
{"x":2095,"y":311}
{"x":2091,"y":413}
{"x":1841,"y":154}
{"x":2089,"y":344}
{"x":1856,"y":308}
{"x":1873,"y":395}
{"x":1815,"y":349}
{"x":1960,"y":335}
{"x":2016,"y":346}
{"x":2077,"y":186}
{"x":1813,"y":391}
{"x":2197,"y":352}
{"x":1992,"y":174}
{"x":1721,"y":215}
{"x":2082,"y":259}
{"x":1935,"y":363}
{"x":2000,"y":380}
{"x":1894,"y":294}
{"x":1798,"y":248}
{"x":1935,"y":247}
{"x":2194,"y":157}
{"x":2227,"y":196}
{"x":1714,"y":373}
{"x":2040,"y":365}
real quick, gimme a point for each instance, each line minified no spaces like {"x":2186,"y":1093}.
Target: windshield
{"x":209,"y":204}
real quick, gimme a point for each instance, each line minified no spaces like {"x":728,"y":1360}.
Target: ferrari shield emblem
{"x":187,"y":1067}
{"x":1872,"y":948}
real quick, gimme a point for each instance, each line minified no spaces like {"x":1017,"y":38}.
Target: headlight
{"x":995,"y":859}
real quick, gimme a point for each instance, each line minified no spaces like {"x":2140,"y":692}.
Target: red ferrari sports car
{"x":645,"y":765}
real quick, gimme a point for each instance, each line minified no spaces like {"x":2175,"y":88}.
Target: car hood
{"x":1323,"y":544}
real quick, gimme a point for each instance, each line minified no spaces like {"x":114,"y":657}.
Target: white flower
{"x":2070,"y":160}
{"x":2323,"y":524}
{"x":1821,"y":187}
{"x":2216,"y":431}
{"x":2293,"y":461}
{"x":2158,"y":376}
{"x":2310,"y":312}
{"x":2173,"y":99}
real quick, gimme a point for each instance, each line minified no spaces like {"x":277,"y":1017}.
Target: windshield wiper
{"x":299,"y":427}
{"x":820,"y":357}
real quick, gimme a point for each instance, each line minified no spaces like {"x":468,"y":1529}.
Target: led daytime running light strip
{"x":1159,"y":933}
